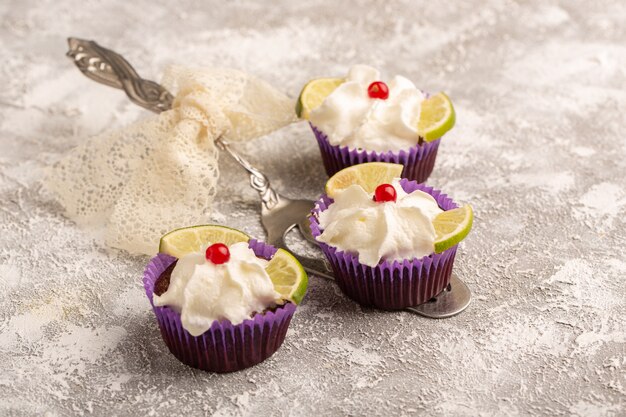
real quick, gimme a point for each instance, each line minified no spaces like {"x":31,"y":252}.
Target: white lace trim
{"x":161,"y":173}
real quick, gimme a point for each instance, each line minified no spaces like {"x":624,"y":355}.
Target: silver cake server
{"x":279,"y":214}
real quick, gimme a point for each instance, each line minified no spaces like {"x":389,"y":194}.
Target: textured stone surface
{"x":538,"y":150}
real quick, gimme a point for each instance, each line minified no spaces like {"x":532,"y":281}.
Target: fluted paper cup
{"x":390,"y":285}
{"x":418,"y":161}
{"x":224,"y":347}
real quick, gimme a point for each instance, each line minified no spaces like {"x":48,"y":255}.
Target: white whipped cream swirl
{"x":398,"y":230}
{"x":203,"y":292}
{"x":349,"y":117}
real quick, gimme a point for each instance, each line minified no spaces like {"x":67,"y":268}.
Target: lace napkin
{"x":161,"y":173}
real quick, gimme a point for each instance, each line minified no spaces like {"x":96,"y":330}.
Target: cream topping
{"x":203,"y":292}
{"x":349,"y":117}
{"x":391,"y":230}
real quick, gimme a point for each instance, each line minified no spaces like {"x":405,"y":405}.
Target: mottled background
{"x":538,"y":150}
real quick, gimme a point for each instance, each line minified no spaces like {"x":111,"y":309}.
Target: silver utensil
{"x":279,"y":214}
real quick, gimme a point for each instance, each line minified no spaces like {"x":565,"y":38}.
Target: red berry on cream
{"x":385,"y":193}
{"x":379,"y":90}
{"x":218,"y":253}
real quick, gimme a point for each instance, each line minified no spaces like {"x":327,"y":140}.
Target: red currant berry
{"x":378,"y":89}
{"x":218,"y":253}
{"x":384,"y":193}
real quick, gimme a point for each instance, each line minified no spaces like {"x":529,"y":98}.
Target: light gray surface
{"x":538,"y":150}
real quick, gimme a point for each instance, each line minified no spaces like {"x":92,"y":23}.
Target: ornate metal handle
{"x":258,"y":180}
{"x":110,"y":68}
{"x":107,"y":67}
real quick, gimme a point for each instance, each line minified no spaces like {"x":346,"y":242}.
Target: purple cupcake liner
{"x":390,"y":285}
{"x":418,"y":161}
{"x":224,"y":347}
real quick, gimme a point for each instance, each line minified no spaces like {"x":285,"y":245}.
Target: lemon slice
{"x":368,"y":175}
{"x":314,"y":93}
{"x":288,"y":276}
{"x":452,"y":226}
{"x":181,"y":242}
{"x":436,"y":117}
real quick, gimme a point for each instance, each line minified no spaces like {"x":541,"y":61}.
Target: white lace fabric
{"x":161,"y":173}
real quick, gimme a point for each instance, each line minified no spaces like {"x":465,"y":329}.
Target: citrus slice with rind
{"x":289,"y":278}
{"x":368,"y":175}
{"x":437,"y":116}
{"x":452,"y":226}
{"x":314,"y":93}
{"x":181,"y":242}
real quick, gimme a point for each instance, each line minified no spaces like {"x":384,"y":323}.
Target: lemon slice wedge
{"x":437,"y":116}
{"x":368,"y":175}
{"x":181,"y":242}
{"x":314,"y":93}
{"x":452,"y":226}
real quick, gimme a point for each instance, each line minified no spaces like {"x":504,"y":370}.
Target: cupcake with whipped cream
{"x":384,"y":244}
{"x":219,"y":308}
{"x":364,"y":119}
